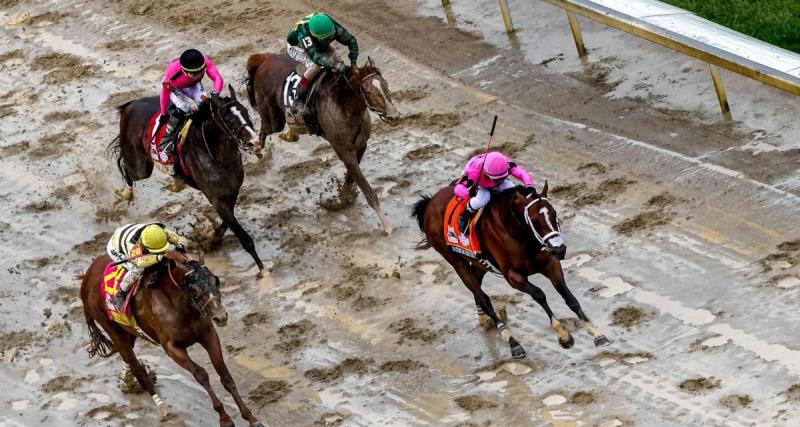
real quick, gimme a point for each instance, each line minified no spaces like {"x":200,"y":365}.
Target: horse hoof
{"x":166,"y":414}
{"x":568,"y":343}
{"x":124,"y":194}
{"x":601,"y":341}
{"x":518,"y":352}
{"x":257,"y":424}
{"x":228,"y":423}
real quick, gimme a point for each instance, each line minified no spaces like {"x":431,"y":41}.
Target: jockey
{"x":138,"y":246}
{"x":491,"y":178}
{"x":182,"y":92}
{"x":309,"y":44}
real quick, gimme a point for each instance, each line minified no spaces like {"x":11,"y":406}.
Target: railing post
{"x":506,"y":16}
{"x":576,"y":34}
{"x":723,"y":98}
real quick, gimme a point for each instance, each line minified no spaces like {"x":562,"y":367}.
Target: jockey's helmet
{"x":192,"y":61}
{"x":154,"y":239}
{"x":321,"y":26}
{"x":495,"y":166}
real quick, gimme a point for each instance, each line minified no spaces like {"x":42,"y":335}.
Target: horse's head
{"x":202,"y":288}
{"x":376,"y":91}
{"x":542,"y":221}
{"x":232,"y":117}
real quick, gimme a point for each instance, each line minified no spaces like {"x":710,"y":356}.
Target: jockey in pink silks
{"x":493,"y":178}
{"x":182,"y":92}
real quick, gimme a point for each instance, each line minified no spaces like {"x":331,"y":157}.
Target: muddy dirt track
{"x":681,"y":230}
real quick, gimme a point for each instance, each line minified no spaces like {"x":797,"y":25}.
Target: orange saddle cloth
{"x":466,"y":245}
{"x":112,"y":276}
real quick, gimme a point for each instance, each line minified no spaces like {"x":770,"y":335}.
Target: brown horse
{"x":211,"y":153}
{"x":173,"y":313}
{"x":520,"y":236}
{"x":341,"y":106}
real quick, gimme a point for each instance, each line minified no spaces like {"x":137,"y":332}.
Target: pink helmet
{"x":495,"y":166}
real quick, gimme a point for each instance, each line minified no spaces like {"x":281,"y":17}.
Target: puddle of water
{"x":788,"y":282}
{"x":516,"y":369}
{"x":554,"y":399}
{"x":715,"y":341}
{"x":634,"y":360}
{"x":577,"y":261}
{"x":45,"y":362}
{"x":769,"y":352}
{"x":611,"y":423}
{"x":67,"y":404}
{"x":19,"y":405}
{"x":560,"y":418}
{"x":32,"y":376}
{"x":102,"y":398}
{"x":264,"y":367}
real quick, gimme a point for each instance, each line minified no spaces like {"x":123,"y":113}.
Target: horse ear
{"x":544,"y":189}
{"x":202,"y":257}
{"x":232,"y":92}
{"x":370,"y":62}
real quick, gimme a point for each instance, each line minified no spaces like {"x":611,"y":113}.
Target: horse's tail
{"x":418,"y":212}
{"x":101,"y":345}
{"x":253,"y":62}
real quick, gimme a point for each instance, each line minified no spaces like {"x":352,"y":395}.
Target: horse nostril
{"x":221,"y":320}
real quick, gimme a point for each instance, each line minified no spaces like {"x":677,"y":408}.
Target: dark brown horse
{"x":175,"y":314}
{"x":520,"y":236}
{"x":211,"y":152}
{"x":341,"y":106}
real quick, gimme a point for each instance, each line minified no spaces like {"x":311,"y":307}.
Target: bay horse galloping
{"x":341,"y":107}
{"x":519,"y":236}
{"x":174,"y":313}
{"x":211,"y":155}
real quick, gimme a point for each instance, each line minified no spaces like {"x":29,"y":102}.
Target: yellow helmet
{"x":154,"y":239}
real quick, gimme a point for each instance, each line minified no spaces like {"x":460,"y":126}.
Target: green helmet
{"x":321,"y":26}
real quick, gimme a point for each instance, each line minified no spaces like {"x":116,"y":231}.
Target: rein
{"x":201,"y":308}
{"x":360,"y":91}
{"x":540,"y":239}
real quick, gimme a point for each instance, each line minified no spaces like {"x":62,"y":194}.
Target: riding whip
{"x":491,"y":134}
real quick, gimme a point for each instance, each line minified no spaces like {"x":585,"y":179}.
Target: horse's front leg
{"x":520,"y":282}
{"x":556,"y":276}
{"x":181,"y":357}
{"x":214,"y":349}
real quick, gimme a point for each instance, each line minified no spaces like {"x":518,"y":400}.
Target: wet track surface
{"x":680,"y":229}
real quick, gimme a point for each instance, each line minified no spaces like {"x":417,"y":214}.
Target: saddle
{"x":465,"y":245}
{"x":153,"y":144}
{"x":304,"y":121}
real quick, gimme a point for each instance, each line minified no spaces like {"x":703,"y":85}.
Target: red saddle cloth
{"x":465,"y":245}
{"x":153,"y":145}
{"x":109,"y":286}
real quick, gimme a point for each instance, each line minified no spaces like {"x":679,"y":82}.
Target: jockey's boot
{"x":464,"y":220}
{"x":171,"y":134}
{"x":119,"y":299}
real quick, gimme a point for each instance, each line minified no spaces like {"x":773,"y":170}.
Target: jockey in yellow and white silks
{"x":138,"y":246}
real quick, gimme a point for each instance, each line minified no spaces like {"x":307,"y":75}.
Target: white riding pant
{"x":134,"y":272}
{"x":484,"y":194}
{"x":186,"y":98}
{"x":309,"y":68}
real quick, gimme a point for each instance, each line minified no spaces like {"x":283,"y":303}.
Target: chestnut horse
{"x":211,"y":152}
{"x":519,"y":235}
{"x":173,"y":313}
{"x":341,"y":105}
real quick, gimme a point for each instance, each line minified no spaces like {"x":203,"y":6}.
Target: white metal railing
{"x":687,"y":33}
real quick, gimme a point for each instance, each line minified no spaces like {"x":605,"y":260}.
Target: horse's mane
{"x":359,"y":73}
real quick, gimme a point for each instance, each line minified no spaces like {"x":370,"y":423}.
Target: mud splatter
{"x":408,"y":330}
{"x":432,"y":121}
{"x":425,"y":152}
{"x":269,"y":391}
{"x":62,"y":383}
{"x":348,"y":366}
{"x":627,"y":316}
{"x":128,"y":384}
{"x":615,"y":185}
{"x":293,"y":335}
{"x":330,"y":419}
{"x":345,"y":195}
{"x":592,"y":168}
{"x":55,"y":60}
{"x":255,"y":318}
{"x":473,"y":402}
{"x":568,"y":191}
{"x":411,"y":94}
{"x":643,"y":221}
{"x":582,"y":398}
{"x":793,"y":393}
{"x":120,"y":98}
{"x":14,"y":54}
{"x":121,"y":44}
{"x":736,"y":401}
{"x":53,"y":144}
{"x":62,"y":116}
{"x":403,"y":366}
{"x":699,"y":385}
{"x":110,"y":412}
{"x":662,"y":200}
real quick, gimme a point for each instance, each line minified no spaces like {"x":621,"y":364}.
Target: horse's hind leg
{"x":520,"y":282}
{"x":472,"y":280}
{"x":181,"y":357}
{"x":354,"y":170}
{"x":125,"y":342}
{"x":212,"y":346}
{"x":556,"y":276}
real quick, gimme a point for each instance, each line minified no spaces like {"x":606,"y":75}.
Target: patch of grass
{"x":773,"y":21}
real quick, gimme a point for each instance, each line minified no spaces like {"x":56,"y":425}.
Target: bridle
{"x":233,"y":134}
{"x":363,"y":93}
{"x":200,"y":308}
{"x":539,"y":238}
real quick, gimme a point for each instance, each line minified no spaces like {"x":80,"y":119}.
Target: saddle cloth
{"x":465,"y":245}
{"x":153,"y":145}
{"x":290,"y":87}
{"x":109,"y":286}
